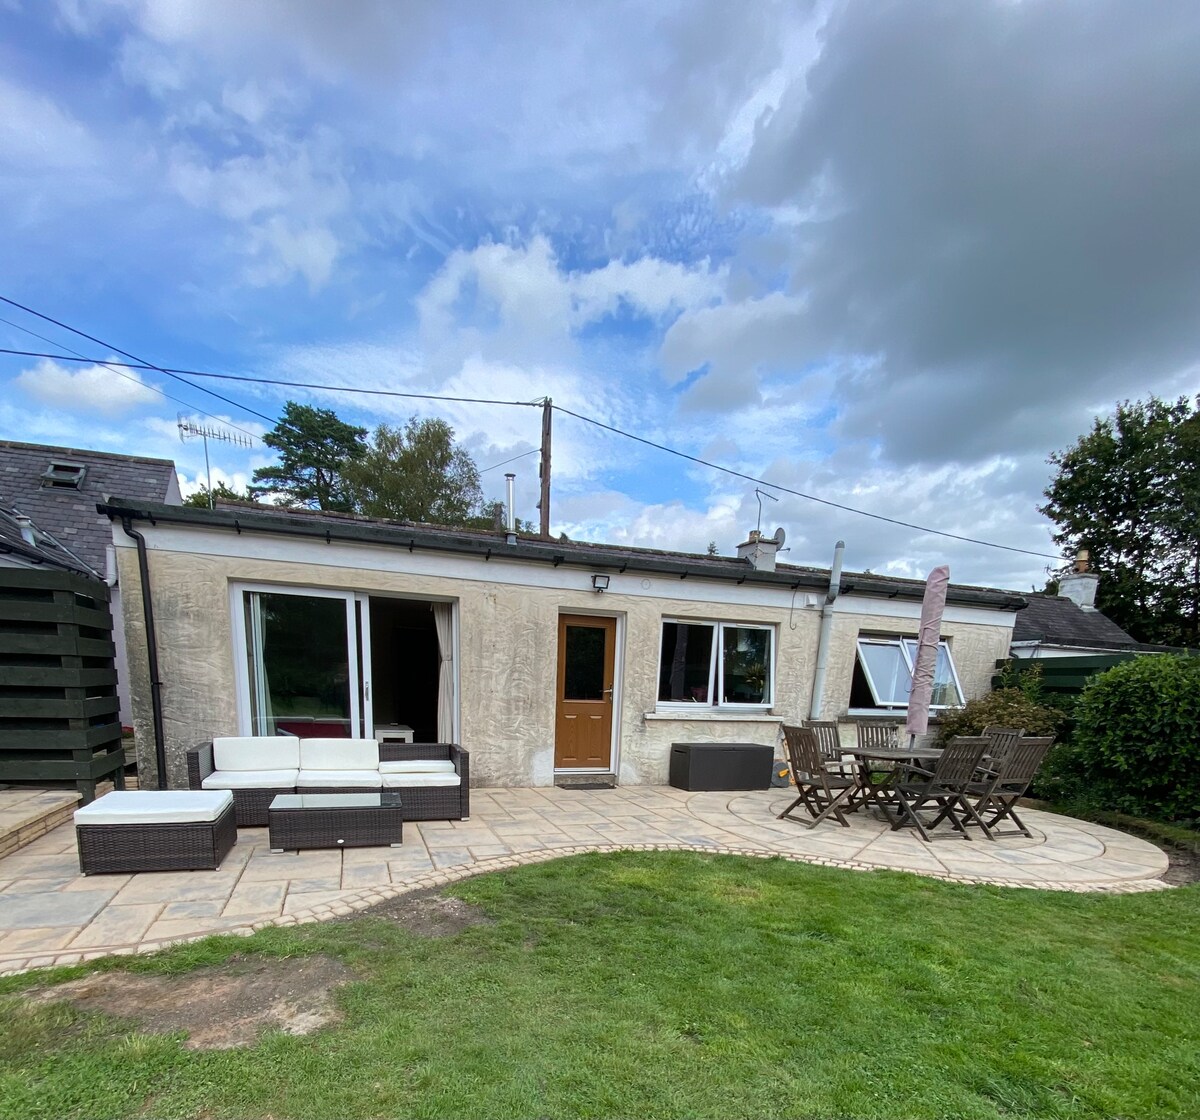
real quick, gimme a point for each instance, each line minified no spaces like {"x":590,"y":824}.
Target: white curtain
{"x":442,"y":616}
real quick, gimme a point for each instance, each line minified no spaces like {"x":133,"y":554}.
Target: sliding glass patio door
{"x":304,"y":669}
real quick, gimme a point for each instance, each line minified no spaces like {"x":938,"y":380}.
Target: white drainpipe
{"x":835,"y":585}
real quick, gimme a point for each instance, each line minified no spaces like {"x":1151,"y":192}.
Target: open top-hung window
{"x":883,"y":675}
{"x":720,"y":664}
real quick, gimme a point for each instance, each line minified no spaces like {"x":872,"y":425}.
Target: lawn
{"x":674,"y":984}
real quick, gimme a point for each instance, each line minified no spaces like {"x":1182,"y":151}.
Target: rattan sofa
{"x":433,"y":779}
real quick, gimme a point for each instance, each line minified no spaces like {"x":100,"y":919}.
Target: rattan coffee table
{"x":335,"y":820}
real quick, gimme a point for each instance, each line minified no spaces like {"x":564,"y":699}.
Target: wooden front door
{"x":586,"y":659}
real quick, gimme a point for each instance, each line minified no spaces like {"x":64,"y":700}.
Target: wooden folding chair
{"x":1015,"y":769}
{"x":1001,"y":738}
{"x":946,"y":785}
{"x":875,"y":735}
{"x":829,"y":743}
{"x":822,"y":793}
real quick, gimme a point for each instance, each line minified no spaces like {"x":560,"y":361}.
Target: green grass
{"x":656,"y":984}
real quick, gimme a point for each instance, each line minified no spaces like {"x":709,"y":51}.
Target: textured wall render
{"x":507,"y":660}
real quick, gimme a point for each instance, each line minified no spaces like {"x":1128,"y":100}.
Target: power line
{"x":505,"y":462}
{"x":280,"y":381}
{"x":146,"y":365}
{"x":800,"y":493}
{"x":117,"y":367}
{"x":586,"y":419}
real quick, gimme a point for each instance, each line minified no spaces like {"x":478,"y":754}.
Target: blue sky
{"x":892,"y":254}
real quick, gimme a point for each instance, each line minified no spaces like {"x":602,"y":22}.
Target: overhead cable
{"x":141,"y":361}
{"x":588,"y":420}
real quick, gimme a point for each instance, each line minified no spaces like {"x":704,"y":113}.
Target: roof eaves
{"x":538,"y":550}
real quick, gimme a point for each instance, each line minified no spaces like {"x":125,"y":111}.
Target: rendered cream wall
{"x":507,"y":660}
{"x":975,"y":650}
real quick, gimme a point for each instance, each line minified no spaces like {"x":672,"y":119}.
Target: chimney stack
{"x":759,"y":550}
{"x":1080,"y":585}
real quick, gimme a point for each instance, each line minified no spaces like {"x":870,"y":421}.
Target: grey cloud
{"x":1006,"y":199}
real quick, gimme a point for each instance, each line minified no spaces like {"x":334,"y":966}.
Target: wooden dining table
{"x":877,"y":790}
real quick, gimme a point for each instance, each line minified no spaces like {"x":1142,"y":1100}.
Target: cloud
{"x":87,"y":389}
{"x":995,"y":201}
{"x":37,"y":134}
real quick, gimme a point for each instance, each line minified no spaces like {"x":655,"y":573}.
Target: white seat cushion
{"x":251,"y":779}
{"x":313,"y":779}
{"x":153,"y":806}
{"x":339,"y":754}
{"x":394,"y":781}
{"x":256,"y":752}
{"x":418,"y":766}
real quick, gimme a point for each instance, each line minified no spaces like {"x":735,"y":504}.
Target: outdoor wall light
{"x":600,"y":583}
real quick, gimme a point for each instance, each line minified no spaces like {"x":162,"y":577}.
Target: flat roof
{"x":350,"y":528}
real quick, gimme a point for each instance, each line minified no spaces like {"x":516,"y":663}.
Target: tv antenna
{"x":760,"y":494}
{"x":189,"y":428}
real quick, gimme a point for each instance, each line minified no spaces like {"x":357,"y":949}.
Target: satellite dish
{"x":780,"y":537}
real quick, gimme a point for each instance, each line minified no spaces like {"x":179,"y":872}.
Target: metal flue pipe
{"x":835,"y":587}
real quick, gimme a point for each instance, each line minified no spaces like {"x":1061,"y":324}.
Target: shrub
{"x":1006,"y":707}
{"x":1137,"y":737}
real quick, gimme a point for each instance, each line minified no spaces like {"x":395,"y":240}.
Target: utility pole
{"x":544,"y":466}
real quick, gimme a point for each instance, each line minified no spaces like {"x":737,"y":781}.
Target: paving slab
{"x":50,"y":913}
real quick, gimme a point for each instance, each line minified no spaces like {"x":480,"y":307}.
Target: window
{"x":720,"y":664}
{"x":883,"y":675}
{"x":62,"y":474}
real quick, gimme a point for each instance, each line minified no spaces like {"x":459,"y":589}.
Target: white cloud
{"x":36,"y":134}
{"x":87,"y":389}
{"x":287,"y":250}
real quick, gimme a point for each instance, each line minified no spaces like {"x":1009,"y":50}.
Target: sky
{"x":891,"y":255}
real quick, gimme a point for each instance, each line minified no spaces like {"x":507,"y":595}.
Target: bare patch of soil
{"x":219,"y":1008}
{"x":429,"y":913}
{"x":1185,"y":866}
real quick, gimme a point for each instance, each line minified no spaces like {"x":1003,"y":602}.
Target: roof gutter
{"x":156,"y":707}
{"x":538,"y":551}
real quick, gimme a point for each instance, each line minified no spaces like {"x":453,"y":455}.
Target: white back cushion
{"x":399,"y":781}
{"x":257,"y":752}
{"x":339,"y":754}
{"x":418,"y":766}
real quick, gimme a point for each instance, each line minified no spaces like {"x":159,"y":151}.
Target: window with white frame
{"x":718,"y":664}
{"x":883,"y":672}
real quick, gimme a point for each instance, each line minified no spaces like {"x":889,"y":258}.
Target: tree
{"x":314,"y":449}
{"x":491,"y":515}
{"x":1129,"y":492}
{"x":415,"y":473}
{"x":219,"y":493}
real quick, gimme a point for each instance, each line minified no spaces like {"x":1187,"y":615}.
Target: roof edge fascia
{"x":539,"y":551}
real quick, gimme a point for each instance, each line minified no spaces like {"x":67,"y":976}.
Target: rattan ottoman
{"x":155,"y":830}
{"x":335,"y":820}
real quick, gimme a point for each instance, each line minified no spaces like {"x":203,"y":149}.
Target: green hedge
{"x":1137,"y":738}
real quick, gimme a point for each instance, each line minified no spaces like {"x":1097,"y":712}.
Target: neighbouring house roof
{"x":344,"y":528}
{"x":1058,"y":621}
{"x":16,"y":551}
{"x":58,"y":488}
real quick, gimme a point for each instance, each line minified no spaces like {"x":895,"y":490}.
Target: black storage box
{"x":721,"y":766}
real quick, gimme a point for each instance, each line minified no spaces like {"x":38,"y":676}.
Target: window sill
{"x":711,"y":715}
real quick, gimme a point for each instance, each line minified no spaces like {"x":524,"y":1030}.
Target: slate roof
{"x":1057,"y":620}
{"x":67,"y":514}
{"x":320,"y":526}
{"x":16,"y":551}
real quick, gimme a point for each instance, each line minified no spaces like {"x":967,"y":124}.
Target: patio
{"x":51,"y":915}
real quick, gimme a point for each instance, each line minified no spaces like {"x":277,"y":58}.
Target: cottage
{"x":548,"y":659}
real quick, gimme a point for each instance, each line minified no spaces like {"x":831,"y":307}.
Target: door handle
{"x":608,"y":690}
